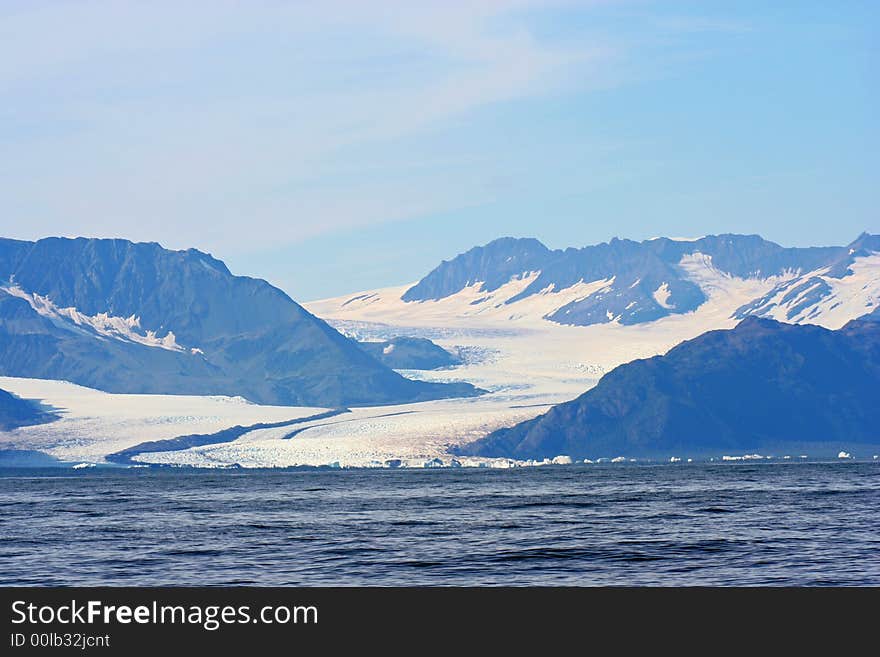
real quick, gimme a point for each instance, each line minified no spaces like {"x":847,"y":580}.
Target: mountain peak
{"x":508,"y":241}
{"x":646,"y":280}
{"x":865,"y":242}
{"x":491,"y":265}
{"x":755,"y":321}
{"x":123,"y":316}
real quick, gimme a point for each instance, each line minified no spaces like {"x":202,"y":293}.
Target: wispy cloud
{"x":232,"y":126}
{"x":183,"y":121}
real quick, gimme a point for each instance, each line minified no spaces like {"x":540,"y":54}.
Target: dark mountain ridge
{"x":408,"y":353}
{"x":135,"y":317}
{"x":16,"y":412}
{"x":645,"y":279}
{"x":762,"y":385}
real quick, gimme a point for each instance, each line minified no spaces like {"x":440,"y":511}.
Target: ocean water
{"x":694,"y":524}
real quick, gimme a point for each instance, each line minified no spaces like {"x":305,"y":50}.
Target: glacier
{"x":510,"y":344}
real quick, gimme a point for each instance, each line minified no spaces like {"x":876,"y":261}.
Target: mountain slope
{"x":406,"y":353}
{"x":631,"y":282}
{"x":15,"y":412}
{"x":872,"y":316}
{"x":492,"y":265}
{"x":127,"y":317}
{"x":762,"y":385}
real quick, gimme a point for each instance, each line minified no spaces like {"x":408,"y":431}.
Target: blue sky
{"x":340,"y":146}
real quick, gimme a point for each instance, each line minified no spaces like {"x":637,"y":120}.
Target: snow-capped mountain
{"x":628,"y":283}
{"x":842,"y":289}
{"x":127,"y":317}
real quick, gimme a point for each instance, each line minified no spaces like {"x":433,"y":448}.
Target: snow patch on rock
{"x":661,"y":296}
{"x":127,"y":329}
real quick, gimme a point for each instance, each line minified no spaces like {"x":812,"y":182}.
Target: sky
{"x":339,"y":146}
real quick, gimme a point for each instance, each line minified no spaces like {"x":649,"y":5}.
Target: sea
{"x":715,"y":524}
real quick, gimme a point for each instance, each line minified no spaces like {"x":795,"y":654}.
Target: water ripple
{"x":806,"y":524}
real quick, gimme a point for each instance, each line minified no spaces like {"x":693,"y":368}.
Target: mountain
{"x":406,"y":353}
{"x":134,"y":317}
{"x":763,"y":385}
{"x":872,"y":316}
{"x":15,"y":412}
{"x":630,"y":282}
